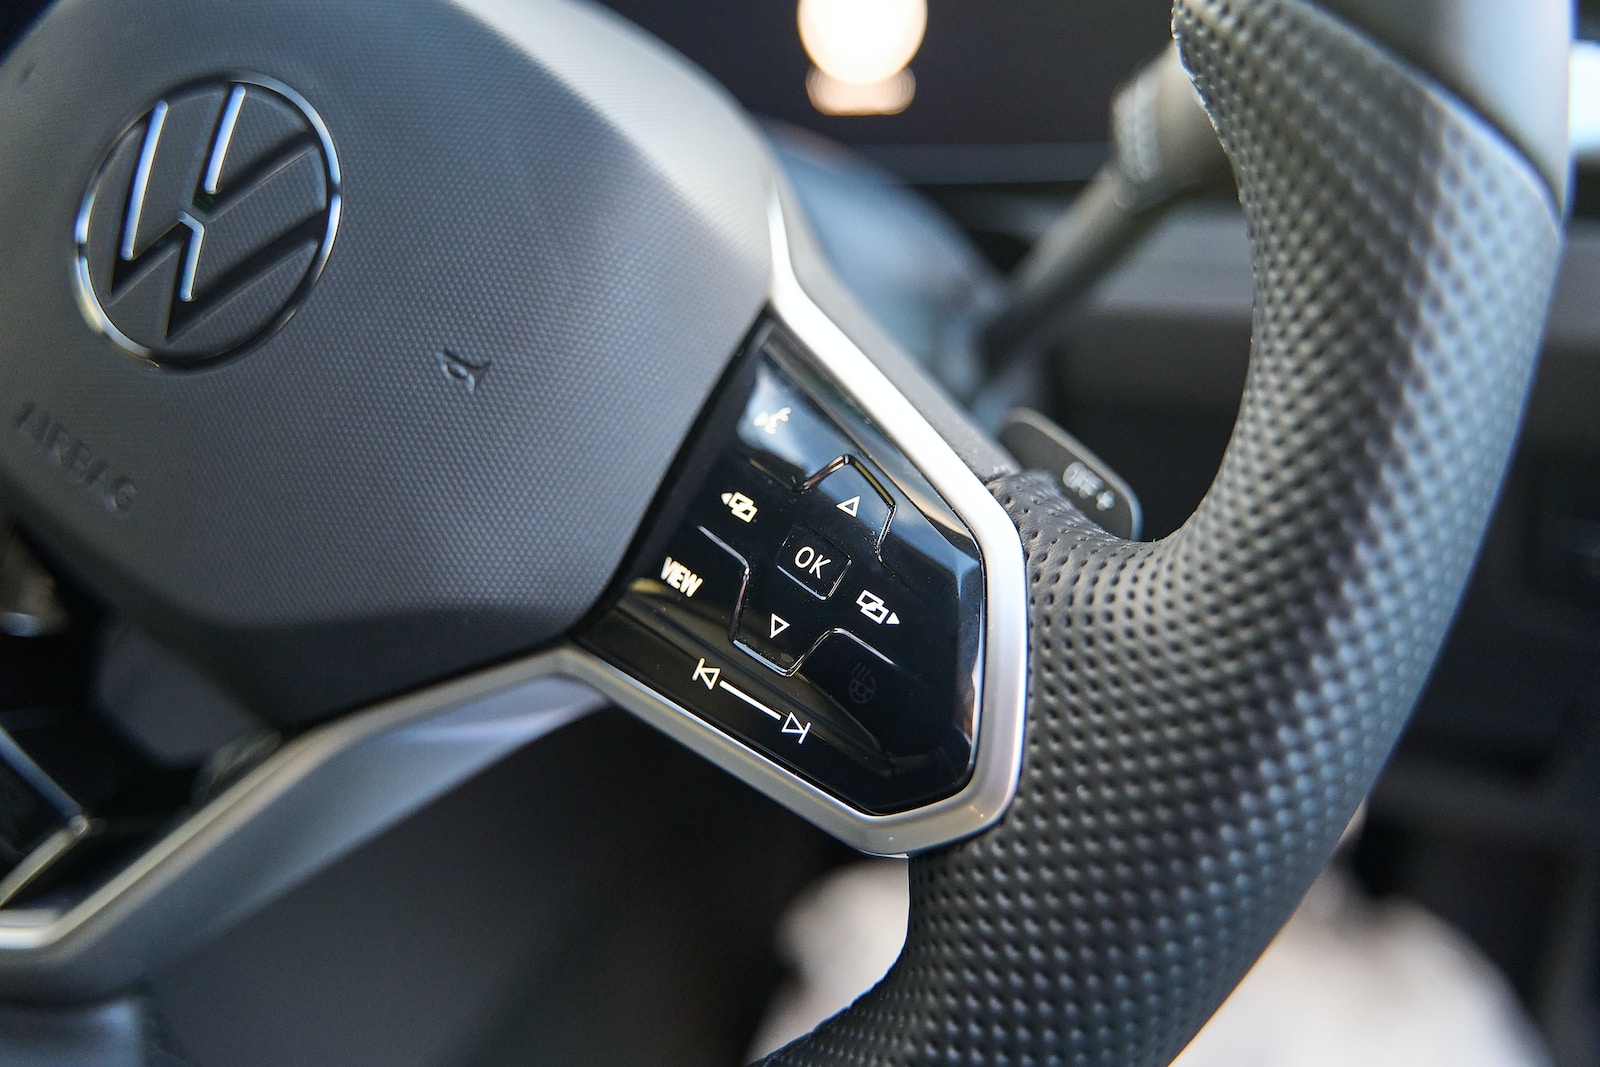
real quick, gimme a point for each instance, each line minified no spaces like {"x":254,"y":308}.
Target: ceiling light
{"x":861,"y":49}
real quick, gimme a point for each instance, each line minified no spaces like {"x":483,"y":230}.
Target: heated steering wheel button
{"x":858,"y":501}
{"x":813,"y":561}
{"x":874,"y":692}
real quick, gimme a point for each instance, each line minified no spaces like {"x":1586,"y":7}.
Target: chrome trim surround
{"x":44,"y":856}
{"x":309,"y":803}
{"x":334,"y":787}
{"x":997,"y":765}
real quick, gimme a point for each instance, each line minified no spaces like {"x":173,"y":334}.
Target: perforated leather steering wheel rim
{"x":1206,"y":713}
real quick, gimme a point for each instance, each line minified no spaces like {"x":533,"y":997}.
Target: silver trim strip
{"x":311,"y":802}
{"x":44,"y":856}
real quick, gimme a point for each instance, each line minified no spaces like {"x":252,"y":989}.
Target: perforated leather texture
{"x":1206,"y":712}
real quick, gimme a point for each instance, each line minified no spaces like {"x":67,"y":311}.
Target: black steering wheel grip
{"x":1206,"y":712}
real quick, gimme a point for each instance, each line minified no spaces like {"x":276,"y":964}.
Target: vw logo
{"x":208,"y":221}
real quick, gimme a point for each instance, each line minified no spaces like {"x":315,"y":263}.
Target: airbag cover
{"x":552,"y":237}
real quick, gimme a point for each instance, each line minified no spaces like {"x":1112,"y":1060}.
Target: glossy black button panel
{"x":802,"y":588}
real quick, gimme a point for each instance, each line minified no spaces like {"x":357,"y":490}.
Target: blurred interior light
{"x":861,"y":49}
{"x":1583,"y":105}
{"x":831,"y":96}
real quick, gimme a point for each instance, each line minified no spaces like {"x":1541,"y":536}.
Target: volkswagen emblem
{"x":208,"y":221}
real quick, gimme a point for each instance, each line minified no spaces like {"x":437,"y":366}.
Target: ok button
{"x":812,"y":560}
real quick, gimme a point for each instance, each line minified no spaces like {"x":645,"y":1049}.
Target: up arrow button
{"x":848,"y":489}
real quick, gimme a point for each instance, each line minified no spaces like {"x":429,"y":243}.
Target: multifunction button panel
{"x":802,"y":588}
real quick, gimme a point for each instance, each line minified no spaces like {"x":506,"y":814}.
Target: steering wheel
{"x":427,"y":374}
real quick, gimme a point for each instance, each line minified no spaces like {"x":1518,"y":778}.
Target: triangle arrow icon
{"x":793,"y":726}
{"x":778,"y":625}
{"x":893,"y":620}
{"x":727,"y":498}
{"x":706,"y":674}
{"x":851,"y":506}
